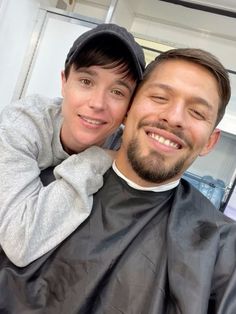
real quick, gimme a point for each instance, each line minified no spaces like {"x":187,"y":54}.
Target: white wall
{"x":123,"y":14}
{"x":17,"y":19}
{"x":98,"y":12}
{"x":177,"y":14}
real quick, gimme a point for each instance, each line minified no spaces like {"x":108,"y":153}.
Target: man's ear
{"x":213,"y":139}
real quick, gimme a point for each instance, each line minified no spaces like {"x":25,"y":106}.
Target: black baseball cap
{"x":115,"y":31}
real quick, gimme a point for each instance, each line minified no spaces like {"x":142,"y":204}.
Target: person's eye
{"x":117,"y":92}
{"x":86,"y":82}
{"x":197,"y":114}
{"x":159,"y":98}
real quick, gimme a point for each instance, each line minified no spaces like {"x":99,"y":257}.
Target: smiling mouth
{"x":164,"y":141}
{"x":92,"y":121}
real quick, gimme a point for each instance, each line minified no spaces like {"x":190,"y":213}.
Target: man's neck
{"x":154,"y":188}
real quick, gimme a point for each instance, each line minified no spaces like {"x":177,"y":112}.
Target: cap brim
{"x":114,"y":35}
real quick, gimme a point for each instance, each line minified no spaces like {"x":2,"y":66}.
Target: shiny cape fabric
{"x":138,"y":253}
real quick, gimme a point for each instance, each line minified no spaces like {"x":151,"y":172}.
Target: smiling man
{"x":173,"y":119}
{"x":153,"y":243}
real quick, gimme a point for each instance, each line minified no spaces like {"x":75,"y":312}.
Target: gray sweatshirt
{"x":35,"y":218}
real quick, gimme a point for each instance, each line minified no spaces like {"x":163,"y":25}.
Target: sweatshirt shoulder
{"x":31,"y":107}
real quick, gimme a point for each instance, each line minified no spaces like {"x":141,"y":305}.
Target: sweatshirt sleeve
{"x":34,"y":219}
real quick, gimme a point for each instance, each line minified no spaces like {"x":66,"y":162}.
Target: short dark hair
{"x":106,"y":52}
{"x":205,"y":59}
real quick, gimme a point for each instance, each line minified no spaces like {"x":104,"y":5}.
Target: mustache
{"x":164,"y":126}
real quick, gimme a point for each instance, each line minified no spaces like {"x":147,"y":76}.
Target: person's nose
{"x":98,"y":100}
{"x":174,"y":114}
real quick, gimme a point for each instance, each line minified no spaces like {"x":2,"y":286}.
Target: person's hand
{"x":111,"y":153}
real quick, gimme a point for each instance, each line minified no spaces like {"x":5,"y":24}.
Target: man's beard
{"x":151,"y":168}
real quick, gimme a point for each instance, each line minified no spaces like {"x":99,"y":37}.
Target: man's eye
{"x":197,"y":114}
{"x":159,"y":98}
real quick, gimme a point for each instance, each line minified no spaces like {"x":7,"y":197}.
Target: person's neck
{"x":123,"y":165}
{"x":155,"y":188}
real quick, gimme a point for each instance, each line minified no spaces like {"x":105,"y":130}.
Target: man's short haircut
{"x":205,"y":59}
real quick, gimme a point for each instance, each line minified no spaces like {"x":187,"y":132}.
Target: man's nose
{"x":98,"y":100}
{"x":174,"y":114}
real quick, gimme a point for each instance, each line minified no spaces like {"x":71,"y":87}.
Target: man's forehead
{"x":178,"y":67}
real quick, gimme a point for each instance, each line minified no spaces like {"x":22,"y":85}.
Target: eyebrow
{"x":196,"y":99}
{"x":94,"y":73}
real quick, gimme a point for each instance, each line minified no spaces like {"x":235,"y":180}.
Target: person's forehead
{"x":182,"y":64}
{"x":179,"y":69}
{"x":99,"y":72}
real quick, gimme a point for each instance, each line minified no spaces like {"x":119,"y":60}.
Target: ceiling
{"x":223,"y":7}
{"x":220,"y":4}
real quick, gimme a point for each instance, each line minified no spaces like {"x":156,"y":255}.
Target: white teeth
{"x":161,"y":139}
{"x":92,"y":121}
{"x":164,"y":141}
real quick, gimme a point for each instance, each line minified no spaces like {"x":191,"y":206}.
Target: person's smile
{"x":91,"y":122}
{"x":164,"y":141}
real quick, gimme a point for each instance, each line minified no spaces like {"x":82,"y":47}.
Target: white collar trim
{"x":161,"y":188}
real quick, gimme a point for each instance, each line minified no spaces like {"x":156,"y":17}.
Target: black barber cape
{"x":138,"y":253}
